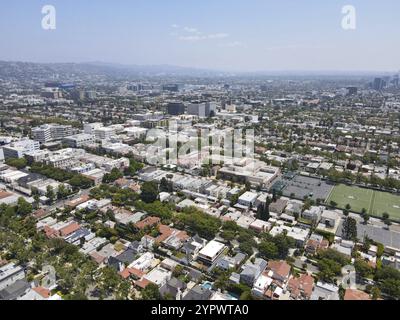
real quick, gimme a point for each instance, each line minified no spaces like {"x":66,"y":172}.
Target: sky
{"x":228,"y":35}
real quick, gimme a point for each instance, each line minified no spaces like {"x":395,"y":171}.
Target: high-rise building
{"x":175,"y":108}
{"x":171,"y":87}
{"x":203,"y":109}
{"x":352,"y":90}
{"x":379,"y":84}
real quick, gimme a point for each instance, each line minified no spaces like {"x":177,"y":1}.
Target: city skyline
{"x":257,"y":36}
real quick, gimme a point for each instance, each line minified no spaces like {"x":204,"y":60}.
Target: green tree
{"x":23,"y":207}
{"x":151,"y":292}
{"x":50,"y":193}
{"x":349,"y":231}
{"x":149,"y":192}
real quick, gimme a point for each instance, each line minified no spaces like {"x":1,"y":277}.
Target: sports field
{"x":375,"y":202}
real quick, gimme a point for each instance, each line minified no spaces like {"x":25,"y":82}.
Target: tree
{"x":151,"y":292}
{"x":50,"y":193}
{"x":363,"y":268}
{"x":114,"y":175}
{"x":349,"y":231}
{"x":23,"y":207}
{"x":17,"y":163}
{"x":109,"y":280}
{"x":375,"y":293}
{"x":366,"y":218}
{"x":134,"y":167}
{"x":386,"y":220}
{"x":268,"y":250}
{"x":260,"y":211}
{"x":165,"y":185}
{"x":204,"y":225}
{"x":149,"y":192}
{"x":62,"y":192}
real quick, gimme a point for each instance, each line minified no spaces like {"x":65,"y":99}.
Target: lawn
{"x":375,"y":202}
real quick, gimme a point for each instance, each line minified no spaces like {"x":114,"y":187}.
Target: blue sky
{"x":237,"y":35}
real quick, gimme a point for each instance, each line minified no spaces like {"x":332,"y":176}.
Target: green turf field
{"x":375,"y":202}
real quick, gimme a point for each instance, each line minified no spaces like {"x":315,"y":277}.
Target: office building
{"x":51,"y":132}
{"x":19,"y":148}
{"x":175,"y":108}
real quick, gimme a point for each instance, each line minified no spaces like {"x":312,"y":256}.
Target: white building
{"x":51,"y":132}
{"x":78,"y":140}
{"x":211,"y":252}
{"x":9,"y":274}
{"x":19,"y":148}
{"x":248,"y":199}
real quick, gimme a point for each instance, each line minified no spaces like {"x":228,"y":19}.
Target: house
{"x":15,"y":291}
{"x":325,"y":291}
{"x":173,"y":288}
{"x":69,"y":229}
{"x":148,"y":222}
{"x":313,"y":214}
{"x":248,"y":199}
{"x":329,"y":222}
{"x":353,"y":294}
{"x":315,"y":243}
{"x":136,"y":247}
{"x":278,"y":206}
{"x":169,"y":264}
{"x":124,"y":259}
{"x":251,"y":271}
{"x":344,"y":247}
{"x":38,"y":293}
{"x":280,"y":270}
{"x":199,"y":293}
{"x":9,"y":274}
{"x":329,"y":218}
{"x":143,"y":263}
{"x":260,"y":226}
{"x":301,"y":288}
{"x":227,"y":262}
{"x":294,"y":207}
{"x":158,"y":276}
{"x":211,"y":252}
{"x":261,"y":284}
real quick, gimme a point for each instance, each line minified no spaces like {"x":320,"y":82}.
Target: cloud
{"x":175,"y":26}
{"x":194,"y":34}
{"x":204,"y":37}
{"x":234,"y":44}
{"x":191,"y":30}
{"x":295,"y":47}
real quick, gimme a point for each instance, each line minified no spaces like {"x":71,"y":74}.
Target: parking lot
{"x":302,"y":186}
{"x":387,"y":238}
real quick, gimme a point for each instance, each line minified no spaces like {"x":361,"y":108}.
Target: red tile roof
{"x":352,"y":294}
{"x":132,"y":271}
{"x":301,"y":286}
{"x":45,"y":293}
{"x":148,"y":222}
{"x":280,"y":267}
{"x":4,"y":194}
{"x":71,"y":228}
{"x":142,"y":283}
